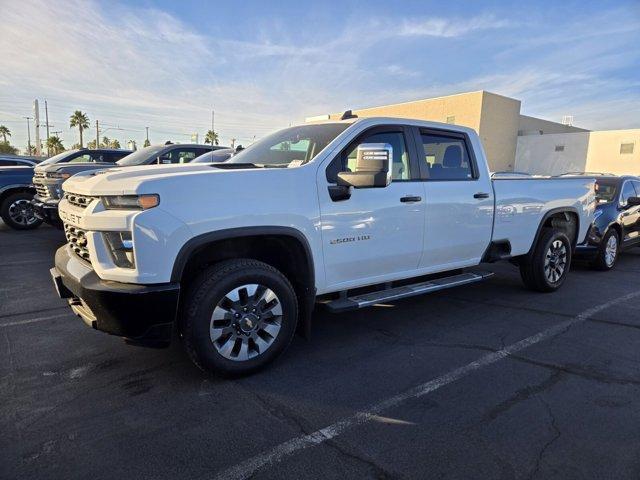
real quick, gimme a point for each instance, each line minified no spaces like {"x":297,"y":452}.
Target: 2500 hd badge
{"x":350,"y":239}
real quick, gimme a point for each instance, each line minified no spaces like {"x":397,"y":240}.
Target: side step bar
{"x":387,"y":295}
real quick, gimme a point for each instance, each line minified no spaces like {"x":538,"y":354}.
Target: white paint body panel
{"x":448,"y":229}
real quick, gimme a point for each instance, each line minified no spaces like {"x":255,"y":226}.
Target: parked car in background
{"x":616,"y":224}
{"x":16,"y":161}
{"x":49,"y":175}
{"x":215,"y":156}
{"x":349,"y":213}
{"x":16,"y":192}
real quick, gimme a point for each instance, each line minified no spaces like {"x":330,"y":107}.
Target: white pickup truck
{"x":234,"y":256}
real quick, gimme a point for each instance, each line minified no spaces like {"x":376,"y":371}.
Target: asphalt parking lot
{"x":485,"y":381}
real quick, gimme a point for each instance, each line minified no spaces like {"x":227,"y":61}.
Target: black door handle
{"x":481,"y":195}
{"x":410,"y":199}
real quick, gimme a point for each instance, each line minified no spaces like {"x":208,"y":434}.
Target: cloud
{"x":449,"y":28}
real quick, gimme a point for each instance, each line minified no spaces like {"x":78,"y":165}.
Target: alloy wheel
{"x":555,"y":262}
{"x":611,"y":251}
{"x":21,"y":212}
{"x":246,"y":322}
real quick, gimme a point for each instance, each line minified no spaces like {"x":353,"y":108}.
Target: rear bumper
{"x":142,"y":314}
{"x":47,"y":211}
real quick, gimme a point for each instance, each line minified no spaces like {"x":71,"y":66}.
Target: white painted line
{"x":247,"y":468}
{"x":34,"y":320}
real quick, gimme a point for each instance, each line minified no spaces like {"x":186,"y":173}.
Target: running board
{"x":387,"y":295}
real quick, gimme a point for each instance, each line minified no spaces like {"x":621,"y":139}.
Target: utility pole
{"x":233,"y":143}
{"x":36,"y":113}
{"x":46,"y":117}
{"x":97,"y":135}
{"x":147,"y":128}
{"x":28,"y":135}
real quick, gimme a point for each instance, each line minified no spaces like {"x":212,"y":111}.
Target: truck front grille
{"x":77,"y":239}
{"x":42,"y":190}
{"x":38,"y":176}
{"x":79,"y":200}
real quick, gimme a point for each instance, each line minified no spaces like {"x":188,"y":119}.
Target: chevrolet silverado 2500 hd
{"x":234,"y":256}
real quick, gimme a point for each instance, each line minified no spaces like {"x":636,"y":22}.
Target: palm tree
{"x":147,"y":143}
{"x":211,"y":135}
{"x":5,"y":132}
{"x":114,"y":143}
{"x":106,"y":142}
{"x":80,"y":120}
{"x":54,"y":144}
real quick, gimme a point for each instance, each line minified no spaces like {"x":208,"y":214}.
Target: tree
{"x":91,"y":145}
{"x":80,"y":120}
{"x":5,"y":132}
{"x":211,"y":135}
{"x":7,"y":149}
{"x":54,"y":145}
{"x":106,"y":142}
{"x":31,"y":150}
{"x":114,"y":144}
{"x":147,"y":143}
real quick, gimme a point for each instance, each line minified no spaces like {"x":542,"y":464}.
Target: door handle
{"x":410,"y":199}
{"x":481,"y":195}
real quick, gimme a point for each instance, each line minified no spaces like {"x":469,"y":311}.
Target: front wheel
{"x":608,"y":252}
{"x":18,"y":213}
{"x":239,"y":316}
{"x":545,"y":270}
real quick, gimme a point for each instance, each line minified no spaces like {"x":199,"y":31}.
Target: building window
{"x":626,"y":148}
{"x":451,"y":119}
{"x":559,"y":148}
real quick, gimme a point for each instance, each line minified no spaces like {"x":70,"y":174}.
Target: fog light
{"x":121,"y":246}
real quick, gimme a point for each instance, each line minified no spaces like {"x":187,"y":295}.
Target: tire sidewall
{"x":552,"y":237}
{"x":200,"y":318}
{"x":4,"y":211}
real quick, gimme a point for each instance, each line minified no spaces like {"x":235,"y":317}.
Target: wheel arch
{"x":563,"y":218}
{"x":11,"y":189}
{"x":285,"y":248}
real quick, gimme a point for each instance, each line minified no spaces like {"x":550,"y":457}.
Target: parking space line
{"x":250,"y":466}
{"x":34,"y":320}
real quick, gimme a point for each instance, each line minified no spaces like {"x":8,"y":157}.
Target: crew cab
{"x":49,"y":175}
{"x":234,"y":256}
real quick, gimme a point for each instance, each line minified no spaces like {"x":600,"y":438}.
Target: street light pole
{"x":28,"y":135}
{"x":46,"y":118}
{"x":213,"y":132}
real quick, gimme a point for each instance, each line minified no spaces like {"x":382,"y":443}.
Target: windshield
{"x":605,"y":191}
{"x":291,"y":146}
{"x":140,"y":156}
{"x":57,"y":158}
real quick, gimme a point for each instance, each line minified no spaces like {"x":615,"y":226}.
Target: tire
{"x":16,"y":211}
{"x":541,"y":276}
{"x":608,"y":252}
{"x":231,"y":332}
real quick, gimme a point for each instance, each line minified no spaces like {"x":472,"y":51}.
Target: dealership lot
{"x":436,"y":399}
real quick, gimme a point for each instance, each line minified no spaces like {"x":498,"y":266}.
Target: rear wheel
{"x":608,"y":252}
{"x":239,"y":316}
{"x":17,"y":212}
{"x":545,"y":270}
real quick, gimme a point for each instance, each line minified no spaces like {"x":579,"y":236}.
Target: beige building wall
{"x":608,"y":151}
{"x":538,"y":126}
{"x":499,"y":130}
{"x":614,"y":151}
{"x":494,"y":117}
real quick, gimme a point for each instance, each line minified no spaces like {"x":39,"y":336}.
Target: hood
{"x":126,"y":180}
{"x":74,"y":168}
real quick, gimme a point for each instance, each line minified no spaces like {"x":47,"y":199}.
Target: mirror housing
{"x":372,"y":169}
{"x":633,"y":201}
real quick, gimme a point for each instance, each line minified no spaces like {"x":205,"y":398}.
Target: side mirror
{"x":633,"y":201}
{"x":372,"y":169}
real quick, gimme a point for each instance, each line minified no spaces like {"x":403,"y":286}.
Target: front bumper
{"x":142,"y":314}
{"x":47,"y":211}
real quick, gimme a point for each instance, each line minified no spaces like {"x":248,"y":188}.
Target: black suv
{"x":616,"y":224}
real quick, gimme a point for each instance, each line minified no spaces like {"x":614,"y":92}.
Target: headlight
{"x":58,"y":175}
{"x":121,"y":246}
{"x":131,"y":202}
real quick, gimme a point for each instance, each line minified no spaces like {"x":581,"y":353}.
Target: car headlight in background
{"x":121,"y":247}
{"x":58,"y":175}
{"x":131,"y":202}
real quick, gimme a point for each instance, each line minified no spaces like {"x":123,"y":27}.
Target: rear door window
{"x":446,"y":157}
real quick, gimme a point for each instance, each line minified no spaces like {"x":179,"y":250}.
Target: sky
{"x":265,"y":65}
